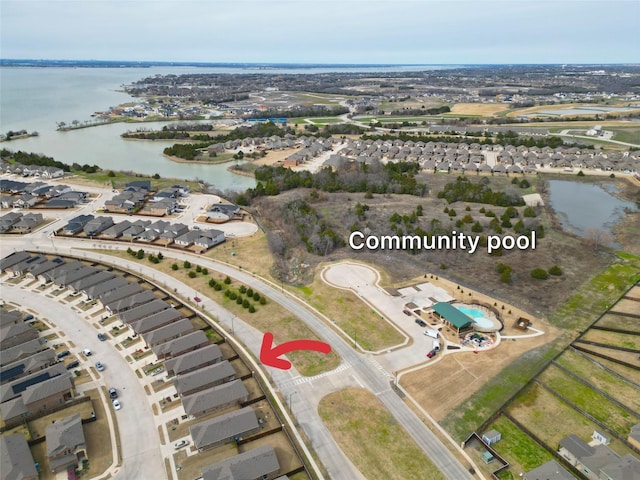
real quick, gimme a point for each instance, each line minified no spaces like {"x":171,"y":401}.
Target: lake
{"x":581,"y":206}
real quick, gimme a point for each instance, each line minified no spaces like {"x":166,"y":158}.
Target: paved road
{"x":141,"y":455}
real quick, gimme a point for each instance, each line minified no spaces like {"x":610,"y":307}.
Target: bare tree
{"x":598,"y":237}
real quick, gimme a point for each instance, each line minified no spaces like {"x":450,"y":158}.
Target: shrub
{"x":443,"y":266}
{"x":232,"y":295}
{"x":250,"y":292}
{"x":539,"y":273}
{"x":245,"y":303}
{"x":140,"y":254}
{"x":217,"y":287}
{"x":186,"y":264}
{"x":467,"y":218}
{"x":452,"y":212}
{"x":555,"y":270}
{"x":212,"y":282}
{"x":524,"y":183}
{"x":482,"y":210}
{"x":205,"y":271}
{"x":529,"y":212}
{"x":581,"y":173}
{"x":174,"y":267}
{"x":192,"y":274}
{"x":239,"y":300}
{"x":198,"y":268}
{"x":256,"y":296}
{"x":252,"y":309}
{"x":505,"y":277}
{"x":263,"y":301}
{"x":243,"y":289}
{"x":476,"y":228}
{"x":227,"y":280}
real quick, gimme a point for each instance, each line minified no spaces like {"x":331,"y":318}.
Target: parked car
{"x":99,"y":366}
{"x":73,"y":364}
{"x":64,"y":353}
{"x":180,"y":444}
{"x":87,"y":352}
{"x":432,"y":353}
{"x":101,"y":337}
{"x":28,"y":317}
{"x":116,"y":404}
{"x":406,"y":312}
{"x":421,"y":322}
{"x":113,"y":393}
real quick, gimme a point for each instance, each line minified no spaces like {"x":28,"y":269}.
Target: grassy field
{"x":613,"y":338}
{"x":120,"y":179}
{"x":626,"y":134}
{"x":325,"y":120}
{"x":350,"y":314}
{"x":270,"y":317}
{"x":372,"y":439}
{"x":517,"y":447}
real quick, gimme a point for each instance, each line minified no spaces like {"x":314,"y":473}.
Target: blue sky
{"x":324,"y":31}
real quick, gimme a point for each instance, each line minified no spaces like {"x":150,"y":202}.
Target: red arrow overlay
{"x":269,"y":355}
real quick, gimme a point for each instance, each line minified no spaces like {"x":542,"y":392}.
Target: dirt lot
{"x":627,"y":305}
{"x":483,"y":109}
{"x":443,"y":385}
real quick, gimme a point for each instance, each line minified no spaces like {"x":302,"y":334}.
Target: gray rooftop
{"x":173,"y":330}
{"x":8,"y":317}
{"x":119,"y":293}
{"x":13,"y":259}
{"x":16,"y":461}
{"x":214,"y":397}
{"x":181,"y":344}
{"x":156,"y":320}
{"x":99,"y":276}
{"x":76,"y":275}
{"x":191,"y":360}
{"x":145,"y":309}
{"x":248,"y":465}
{"x":65,"y":434}
{"x":551,"y":470}
{"x":209,"y":375}
{"x":21,"y":351}
{"x":101,"y":288}
{"x":224,"y":427}
{"x":627,"y":468}
{"x":47,"y":388}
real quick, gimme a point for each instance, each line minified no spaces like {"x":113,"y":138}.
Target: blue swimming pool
{"x":476,"y":314}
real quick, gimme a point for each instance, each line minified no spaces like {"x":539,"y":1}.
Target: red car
{"x":432,"y":353}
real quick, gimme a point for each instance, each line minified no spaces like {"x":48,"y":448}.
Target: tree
{"x":597,"y":237}
{"x":539,"y":273}
{"x":555,"y":270}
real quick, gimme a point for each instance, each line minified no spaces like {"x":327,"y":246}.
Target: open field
{"x":372,"y":439}
{"x":482,"y":109}
{"x":626,"y":134}
{"x":621,"y":355}
{"x":565,"y":106}
{"x":627,"y":305}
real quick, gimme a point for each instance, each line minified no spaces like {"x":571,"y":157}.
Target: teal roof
{"x":452,"y":315}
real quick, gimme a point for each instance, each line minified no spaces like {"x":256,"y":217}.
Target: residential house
{"x":74,"y":196}
{"x":203,"y":378}
{"x":225,"y":428}
{"x":131,"y":302}
{"x":222,"y":212}
{"x":144,"y":309}
{"x":8,"y":220}
{"x":201,"y":238}
{"x":14,"y":388}
{"x":97,"y":225}
{"x":21,"y":351}
{"x":9,"y":317}
{"x":76,"y":224}
{"x":27,"y":365}
{"x":168,"y":332}
{"x":179,"y":346}
{"x":13,"y":335}
{"x":135,"y":229}
{"x":551,"y":470}
{"x":59,"y":203}
{"x":117,"y":230}
{"x":16,"y":461}
{"x":628,"y":467}
{"x":36,"y":270}
{"x":215,"y":398}
{"x":53,"y":275}
{"x":26,"y":200}
{"x":140,"y":184}
{"x":192,"y":361}
{"x":155,"y":321}
{"x":46,"y":395}
{"x":22,"y":267}
{"x":51,"y":172}
{"x":586,"y":458}
{"x":119,"y":293}
{"x":6,"y":201}
{"x":173,"y":231}
{"x":71,"y":277}
{"x":101,"y":289}
{"x":66,"y":445}
{"x":258,"y":463}
{"x":634,"y":436}
{"x":99,"y":276}
{"x":13,"y":259}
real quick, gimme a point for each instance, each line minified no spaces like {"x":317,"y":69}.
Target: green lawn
{"x":626,"y":134}
{"x":517,"y":447}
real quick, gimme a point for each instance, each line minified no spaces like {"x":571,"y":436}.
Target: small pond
{"x":580,"y":206}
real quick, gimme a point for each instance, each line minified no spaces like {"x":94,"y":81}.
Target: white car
{"x":99,"y":366}
{"x":180,"y":444}
{"x":87,"y":352}
{"x":116,"y":404}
